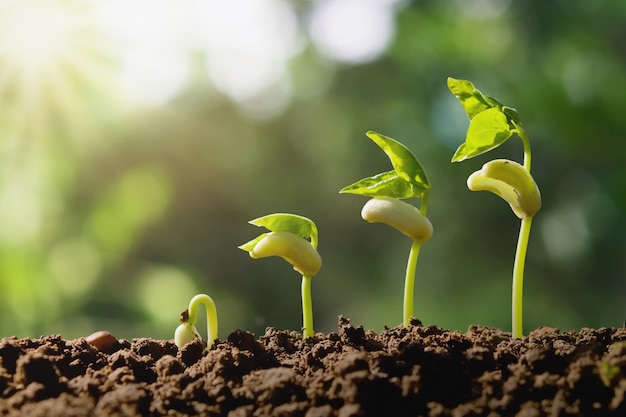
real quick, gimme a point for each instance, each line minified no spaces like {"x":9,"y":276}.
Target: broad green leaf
{"x":405,"y":164}
{"x":386,"y":184}
{"x":488,"y":130}
{"x":470,"y":98}
{"x":285,"y":222}
{"x":474,"y":102}
{"x":460,"y":153}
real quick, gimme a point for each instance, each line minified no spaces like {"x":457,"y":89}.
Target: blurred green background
{"x":138,"y":138}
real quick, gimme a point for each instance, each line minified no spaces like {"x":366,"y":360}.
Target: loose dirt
{"x":415,"y":371}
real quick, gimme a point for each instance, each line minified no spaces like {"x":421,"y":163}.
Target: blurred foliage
{"x":116,"y":212}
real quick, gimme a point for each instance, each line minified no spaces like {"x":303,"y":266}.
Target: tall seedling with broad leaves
{"x":407,"y":179}
{"x":491,"y":124}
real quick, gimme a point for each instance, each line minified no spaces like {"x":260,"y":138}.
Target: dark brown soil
{"x":415,"y":371}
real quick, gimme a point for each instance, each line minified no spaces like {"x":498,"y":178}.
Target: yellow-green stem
{"x":409,"y":280}
{"x":521,"y":132}
{"x":409,"y":283}
{"x":307,"y":307}
{"x":518,"y":276}
{"x":211,"y":315}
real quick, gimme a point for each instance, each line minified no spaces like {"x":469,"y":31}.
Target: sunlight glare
{"x":154,"y":76}
{"x":352,"y":31}
{"x":248,"y":44}
{"x":34,"y":35}
{"x":50,"y":54}
{"x":154,"y":38}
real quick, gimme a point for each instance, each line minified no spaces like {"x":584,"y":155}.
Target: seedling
{"x":288,"y":239}
{"x":407,"y":179}
{"x":187,"y":331}
{"x":491,"y":124}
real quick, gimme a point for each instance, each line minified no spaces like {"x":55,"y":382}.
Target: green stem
{"x":307,"y":307}
{"x":518,"y":276}
{"x":211,"y":315}
{"x":409,"y":283}
{"x":521,"y":132}
{"x":409,"y":280}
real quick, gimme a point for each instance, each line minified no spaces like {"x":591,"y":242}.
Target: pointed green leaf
{"x":460,"y":153}
{"x":474,"y":102}
{"x":249,"y":246}
{"x":404,"y":162}
{"x":470,"y":98}
{"x":488,"y":130}
{"x":285,"y":222}
{"x":385,"y":184}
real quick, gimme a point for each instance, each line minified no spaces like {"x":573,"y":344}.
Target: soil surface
{"x":415,"y":371}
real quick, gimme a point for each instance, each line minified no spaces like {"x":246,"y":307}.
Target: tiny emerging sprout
{"x":186,"y":331}
{"x":288,"y":239}
{"x":402,"y":216}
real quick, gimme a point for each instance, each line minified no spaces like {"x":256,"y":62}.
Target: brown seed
{"x":101,"y":340}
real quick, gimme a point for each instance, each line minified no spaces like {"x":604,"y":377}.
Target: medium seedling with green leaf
{"x":187,"y":331}
{"x":288,"y":239}
{"x":491,"y":124}
{"x":407,"y":179}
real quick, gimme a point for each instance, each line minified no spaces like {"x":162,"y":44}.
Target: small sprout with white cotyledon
{"x":186,"y":331}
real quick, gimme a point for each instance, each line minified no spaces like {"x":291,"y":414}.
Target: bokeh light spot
{"x":154,"y":77}
{"x":164,"y":292}
{"x":352,"y":31}
{"x":248,"y":44}
{"x":74,"y":265}
{"x":154,"y":39}
{"x":565,"y":233}
{"x":484,"y":9}
{"x":127,"y":207}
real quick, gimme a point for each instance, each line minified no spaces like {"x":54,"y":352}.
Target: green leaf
{"x":404,"y":162}
{"x":460,"y":153}
{"x":249,"y":246}
{"x":472,"y":100}
{"x":511,"y":114}
{"x":487,"y":130}
{"x":385,"y":184}
{"x":285,"y":222}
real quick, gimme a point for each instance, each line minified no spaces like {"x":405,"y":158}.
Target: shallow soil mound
{"x":415,"y":371}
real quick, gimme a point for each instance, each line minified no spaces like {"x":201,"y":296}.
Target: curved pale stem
{"x":307,"y":307}
{"x":518,"y":276}
{"x":211,"y":315}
